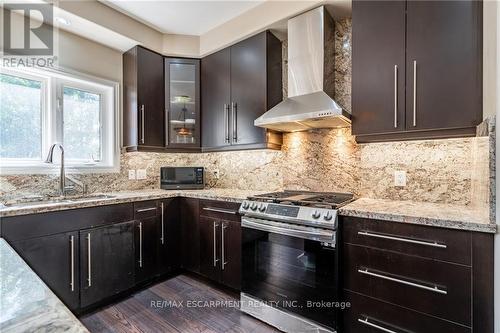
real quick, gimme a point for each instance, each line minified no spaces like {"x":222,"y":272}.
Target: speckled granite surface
{"x":128,"y":196}
{"x":433,"y":214}
{"x":424,"y":213}
{"x":26,"y":303}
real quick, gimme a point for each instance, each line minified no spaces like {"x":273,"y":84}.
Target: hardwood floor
{"x":150,"y":311}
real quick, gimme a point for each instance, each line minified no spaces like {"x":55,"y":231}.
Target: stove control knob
{"x":262,"y":207}
{"x":245,"y":205}
{"x":328,"y":216}
{"x":316,"y":214}
{"x":254,"y":206}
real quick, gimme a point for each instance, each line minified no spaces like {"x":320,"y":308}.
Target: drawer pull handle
{"x":380,"y":328}
{"x":408,"y":283}
{"x":162,"y":238}
{"x":220,"y":210}
{"x":401,"y":239}
{"x":140,"y":244}
{"x":72,"y":242}
{"x":145,"y":210}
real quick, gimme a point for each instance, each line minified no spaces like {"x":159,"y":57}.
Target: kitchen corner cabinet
{"x":156,"y":245}
{"x":417,"y":69}
{"x":239,"y":84}
{"x":143,"y":100}
{"x":220,"y":243}
{"x":182,"y":100}
{"x":190,"y":234}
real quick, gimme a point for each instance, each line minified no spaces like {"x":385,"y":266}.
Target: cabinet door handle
{"x":223,"y":245}
{"x":145,"y":210}
{"x":167,"y":129}
{"x":89,"y":262}
{"x":414,"y":93}
{"x":380,"y":328}
{"x":395,"y":96}
{"x":234,"y":115}
{"x":226,"y":123}
{"x":402,"y":239}
{"x":142,"y":123}
{"x":220,"y":210}
{"x":72,"y":250}
{"x":162,"y":224}
{"x":140,"y":244}
{"x":215,"y":225}
{"x":433,"y":288}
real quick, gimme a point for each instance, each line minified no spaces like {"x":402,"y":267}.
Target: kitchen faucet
{"x":62,"y":176}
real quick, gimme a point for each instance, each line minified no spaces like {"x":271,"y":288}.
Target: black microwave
{"x":187,"y":178}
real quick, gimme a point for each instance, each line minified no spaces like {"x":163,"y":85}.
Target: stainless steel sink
{"x":49,"y":201}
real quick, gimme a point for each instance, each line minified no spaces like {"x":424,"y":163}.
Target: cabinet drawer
{"x":367,"y":315}
{"x":429,"y":242}
{"x":437,"y":288}
{"x":145,"y":209}
{"x":220,"y":209}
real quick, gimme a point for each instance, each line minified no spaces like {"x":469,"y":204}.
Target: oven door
{"x":293,"y":268}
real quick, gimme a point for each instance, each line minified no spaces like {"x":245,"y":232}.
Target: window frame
{"x":53,"y":83}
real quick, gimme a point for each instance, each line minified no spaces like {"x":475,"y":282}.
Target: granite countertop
{"x":231,"y":195}
{"x":432,"y":214}
{"x":439,"y":215}
{"x":26,"y":303}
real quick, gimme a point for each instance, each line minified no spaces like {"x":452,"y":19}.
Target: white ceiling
{"x":182,"y":17}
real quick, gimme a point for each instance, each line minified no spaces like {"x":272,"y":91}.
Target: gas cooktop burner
{"x":329,"y":200}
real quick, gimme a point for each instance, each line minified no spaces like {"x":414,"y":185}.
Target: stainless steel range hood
{"x":311,"y":78}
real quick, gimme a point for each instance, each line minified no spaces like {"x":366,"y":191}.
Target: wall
{"x":320,"y":160}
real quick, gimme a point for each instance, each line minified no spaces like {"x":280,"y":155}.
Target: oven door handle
{"x":320,"y":235}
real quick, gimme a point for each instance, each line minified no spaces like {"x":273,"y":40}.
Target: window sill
{"x":53,"y":169}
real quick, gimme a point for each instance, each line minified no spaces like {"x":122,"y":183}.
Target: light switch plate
{"x":216,"y":174}
{"x":399,"y":178}
{"x":141,"y":173}
{"x":131,"y":174}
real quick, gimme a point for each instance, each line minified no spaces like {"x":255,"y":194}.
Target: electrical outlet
{"x":131,"y":174}
{"x":141,"y":173}
{"x":216,"y":174}
{"x":399,"y":178}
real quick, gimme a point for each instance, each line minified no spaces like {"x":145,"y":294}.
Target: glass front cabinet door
{"x":182,"y":103}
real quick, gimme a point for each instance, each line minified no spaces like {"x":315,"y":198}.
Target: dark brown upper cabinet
{"x":144,"y":100}
{"x":378,"y":67}
{"x":417,"y":69}
{"x":239,"y":84}
{"x":182,"y":100}
{"x":444,"y":64}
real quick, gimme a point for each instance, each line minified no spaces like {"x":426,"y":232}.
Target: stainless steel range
{"x":290,"y":259}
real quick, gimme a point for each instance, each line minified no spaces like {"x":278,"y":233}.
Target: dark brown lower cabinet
{"x":231,"y":254}
{"x":220,"y":251}
{"x":401,"y":277}
{"x":106,"y":261}
{"x":209,"y":248}
{"x":190,"y":234}
{"x":146,"y":248}
{"x":369,"y":315}
{"x":220,"y":242}
{"x":169,"y":244}
{"x":55,"y":259}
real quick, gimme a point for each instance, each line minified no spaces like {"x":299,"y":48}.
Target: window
{"x":39,"y":108}
{"x":20,"y":118}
